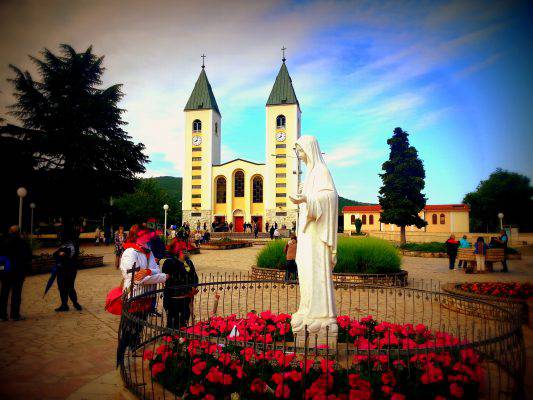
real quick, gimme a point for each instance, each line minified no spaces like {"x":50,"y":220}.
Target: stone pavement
{"x":72,"y":355}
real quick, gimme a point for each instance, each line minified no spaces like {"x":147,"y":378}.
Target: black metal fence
{"x":194,"y":341}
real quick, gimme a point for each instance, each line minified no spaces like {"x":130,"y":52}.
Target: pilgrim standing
{"x":66,"y":257}
{"x":19,"y":254}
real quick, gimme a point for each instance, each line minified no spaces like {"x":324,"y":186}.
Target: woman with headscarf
{"x":138,"y":262}
{"x":316,"y":254}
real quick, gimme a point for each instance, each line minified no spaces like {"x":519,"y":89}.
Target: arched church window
{"x":280,"y":121}
{"x":434,"y":219}
{"x":239,"y":184}
{"x":352,"y":219}
{"x":257,"y":187}
{"x":197,"y":125}
{"x":363,"y":219}
{"x":221,"y":190}
{"x":370,"y":219}
{"x":442,"y":219}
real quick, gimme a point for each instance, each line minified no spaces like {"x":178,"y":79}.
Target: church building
{"x":240,"y":191}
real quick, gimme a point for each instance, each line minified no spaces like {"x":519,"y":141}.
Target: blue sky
{"x":455,"y":75}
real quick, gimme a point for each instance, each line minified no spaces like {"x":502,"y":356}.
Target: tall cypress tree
{"x":73,"y":128}
{"x":401,"y":196}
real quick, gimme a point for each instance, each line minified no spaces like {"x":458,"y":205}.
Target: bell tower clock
{"x":282,"y":131}
{"x":202,"y":150}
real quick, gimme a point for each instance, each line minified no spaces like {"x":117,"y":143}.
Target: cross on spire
{"x":283,"y":52}
{"x":203,"y":60}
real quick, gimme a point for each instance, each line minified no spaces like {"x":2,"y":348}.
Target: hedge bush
{"x":432,"y":247}
{"x":364,"y":256}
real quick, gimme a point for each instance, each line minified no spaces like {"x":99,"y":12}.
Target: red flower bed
{"x":512,"y":290}
{"x":206,"y":369}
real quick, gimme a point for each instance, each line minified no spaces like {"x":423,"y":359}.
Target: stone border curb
{"x":391,"y":279}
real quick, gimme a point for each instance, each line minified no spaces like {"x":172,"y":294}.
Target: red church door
{"x":238,"y":224}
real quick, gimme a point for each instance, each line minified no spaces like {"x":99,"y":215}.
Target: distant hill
{"x":343,"y":202}
{"x":172,"y":185}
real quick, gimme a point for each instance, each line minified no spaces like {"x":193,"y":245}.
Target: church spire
{"x":202,"y":97}
{"x":282,"y":92}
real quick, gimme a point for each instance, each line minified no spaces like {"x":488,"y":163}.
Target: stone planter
{"x":43,"y":265}
{"x":391,"y":279}
{"x":226,"y":245}
{"x":425,"y":254}
{"x":523,"y":308}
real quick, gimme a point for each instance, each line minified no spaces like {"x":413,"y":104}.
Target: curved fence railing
{"x":232,"y":339}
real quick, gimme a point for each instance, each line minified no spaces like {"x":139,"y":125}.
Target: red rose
{"x":283,"y":392}
{"x":196,"y":389}
{"x":388,"y":378}
{"x":397,"y":396}
{"x":157,"y":368}
{"x":148,"y":355}
{"x":198,"y":368}
{"x":214,"y":375}
{"x":258,"y":386}
{"x":456,"y":390}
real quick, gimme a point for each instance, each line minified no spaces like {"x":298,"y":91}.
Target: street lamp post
{"x":165,"y":207}
{"x":21,"y":193}
{"x":32,"y":207}
{"x":500,"y":216}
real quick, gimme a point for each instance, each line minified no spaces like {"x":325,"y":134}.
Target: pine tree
{"x":74,"y":128}
{"x":401,"y":196}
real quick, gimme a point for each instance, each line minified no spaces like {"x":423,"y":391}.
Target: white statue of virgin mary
{"x":316,"y":253}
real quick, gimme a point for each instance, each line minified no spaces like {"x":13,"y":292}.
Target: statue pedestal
{"x":313,"y":340}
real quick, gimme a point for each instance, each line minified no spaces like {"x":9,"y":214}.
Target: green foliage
{"x":272,"y":255}
{"x":358,"y":225}
{"x":73,"y":129}
{"x":432,"y":247}
{"x":146,"y":202}
{"x":343,"y":202}
{"x":401,"y":196}
{"x":365,"y":255}
{"x":507,"y":192}
{"x":171,"y":185}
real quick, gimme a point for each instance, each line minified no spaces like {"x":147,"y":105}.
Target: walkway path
{"x":56,"y":355}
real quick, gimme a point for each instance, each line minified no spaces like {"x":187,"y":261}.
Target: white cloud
{"x":227,"y":153}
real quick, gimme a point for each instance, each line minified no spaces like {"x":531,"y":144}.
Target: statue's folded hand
{"x":298,"y":198}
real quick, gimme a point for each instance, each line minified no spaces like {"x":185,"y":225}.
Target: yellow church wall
{"x":233,"y":203}
{"x":454,"y":222}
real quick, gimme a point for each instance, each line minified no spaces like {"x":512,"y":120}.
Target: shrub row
{"x":365,"y":256}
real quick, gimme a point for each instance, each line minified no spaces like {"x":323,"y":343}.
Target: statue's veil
{"x":320,"y":189}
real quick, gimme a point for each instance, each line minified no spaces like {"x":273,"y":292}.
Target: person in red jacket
{"x":451,"y":249}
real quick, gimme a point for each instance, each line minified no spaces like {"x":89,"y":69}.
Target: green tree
{"x":146,"y":202}
{"x":401,"y":196}
{"x":74,"y":127}
{"x":506,"y":192}
{"x":358,"y":225}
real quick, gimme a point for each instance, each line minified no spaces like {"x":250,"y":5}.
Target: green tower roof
{"x":202,"y":97}
{"x":282,"y":91}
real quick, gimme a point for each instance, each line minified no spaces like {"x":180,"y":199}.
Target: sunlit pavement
{"x":71,"y":355}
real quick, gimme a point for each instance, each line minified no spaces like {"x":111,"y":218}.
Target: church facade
{"x":240,"y":191}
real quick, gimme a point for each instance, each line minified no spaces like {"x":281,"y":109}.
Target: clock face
{"x":280,"y":136}
{"x":196,"y":140}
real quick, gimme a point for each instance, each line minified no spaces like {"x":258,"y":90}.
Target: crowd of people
{"x":479,"y":249}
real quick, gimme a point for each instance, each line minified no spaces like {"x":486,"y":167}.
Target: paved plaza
{"x":72,"y":355}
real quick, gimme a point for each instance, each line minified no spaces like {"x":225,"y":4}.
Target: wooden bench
{"x":492,"y":256}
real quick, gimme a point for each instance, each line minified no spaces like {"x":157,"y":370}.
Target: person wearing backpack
{"x":18,"y":253}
